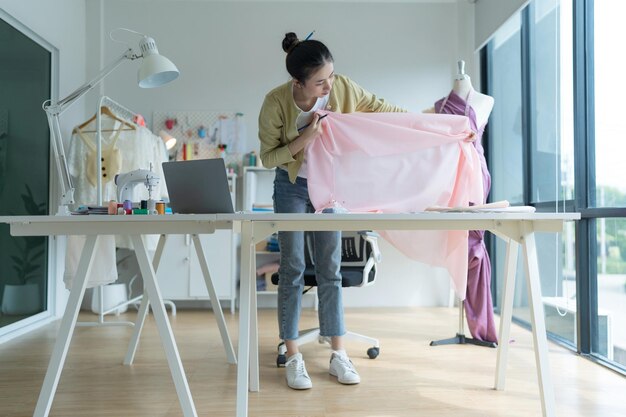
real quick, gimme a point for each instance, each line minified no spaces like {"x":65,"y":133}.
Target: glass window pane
{"x":611,"y":334}
{"x":609,"y":32}
{"x":505,"y":126}
{"x":558,"y":282}
{"x":552,"y":154}
{"x":24,"y":164}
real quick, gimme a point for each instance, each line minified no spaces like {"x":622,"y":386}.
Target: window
{"x":609,"y":32}
{"x":607,"y":189}
{"x":550,"y":98}
{"x":25,"y":82}
{"x":505,"y":125}
{"x":569,"y":69}
{"x":531,"y":148}
{"x":611,"y":315}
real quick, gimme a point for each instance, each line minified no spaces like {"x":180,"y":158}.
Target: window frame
{"x":584,"y":170}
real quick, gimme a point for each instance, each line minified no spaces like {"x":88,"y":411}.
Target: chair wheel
{"x":373,"y":352}
{"x":281,"y":360}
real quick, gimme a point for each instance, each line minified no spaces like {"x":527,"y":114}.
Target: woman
{"x":288,"y":121}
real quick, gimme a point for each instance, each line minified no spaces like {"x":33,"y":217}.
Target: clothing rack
{"x":128,"y":116}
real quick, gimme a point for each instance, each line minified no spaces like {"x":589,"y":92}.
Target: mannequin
{"x":465,"y":101}
{"x":481,"y":103}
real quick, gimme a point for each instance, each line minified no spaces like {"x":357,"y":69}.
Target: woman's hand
{"x":314,"y":129}
{"x":307,"y":135}
{"x":470,"y":138}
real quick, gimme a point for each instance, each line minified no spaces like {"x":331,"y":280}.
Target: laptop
{"x":198,"y":187}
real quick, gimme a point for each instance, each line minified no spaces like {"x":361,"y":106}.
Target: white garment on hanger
{"x":139,"y":148}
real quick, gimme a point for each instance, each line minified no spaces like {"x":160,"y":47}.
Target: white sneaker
{"x":343,"y":369}
{"x":297,"y":377}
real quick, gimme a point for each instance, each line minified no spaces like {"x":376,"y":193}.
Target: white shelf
{"x":258,"y":187}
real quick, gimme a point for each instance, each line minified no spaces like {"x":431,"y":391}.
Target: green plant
{"x":30,"y":248}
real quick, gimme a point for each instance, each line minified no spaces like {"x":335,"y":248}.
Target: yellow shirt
{"x":277,"y":119}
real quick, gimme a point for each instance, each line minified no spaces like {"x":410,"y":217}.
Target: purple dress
{"x":478,"y":304}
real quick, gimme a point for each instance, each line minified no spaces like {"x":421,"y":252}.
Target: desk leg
{"x":245,"y":290}
{"x":134,"y":339}
{"x":215,"y":302}
{"x":143,"y":307}
{"x":506,"y":313}
{"x":163,"y":325}
{"x":254,"y":326}
{"x":538,"y":322}
{"x":62,"y":344}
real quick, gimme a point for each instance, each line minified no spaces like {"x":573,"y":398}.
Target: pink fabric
{"x":399,"y":163}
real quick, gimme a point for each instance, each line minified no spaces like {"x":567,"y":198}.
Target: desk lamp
{"x":169,"y":140}
{"x":155,"y":71}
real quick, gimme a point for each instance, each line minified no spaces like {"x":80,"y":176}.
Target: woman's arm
{"x":273,"y":151}
{"x":272,"y":134}
{"x":313,"y":130}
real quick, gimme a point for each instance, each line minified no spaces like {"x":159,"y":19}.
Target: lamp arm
{"x":65,"y":180}
{"x":54,"y":110}
{"x":60,"y":106}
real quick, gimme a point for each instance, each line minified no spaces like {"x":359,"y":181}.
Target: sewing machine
{"x":128,"y":181}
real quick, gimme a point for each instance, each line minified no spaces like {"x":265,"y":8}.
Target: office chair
{"x":359,"y":257}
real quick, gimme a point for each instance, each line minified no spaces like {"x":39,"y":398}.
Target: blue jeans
{"x":294,"y":198}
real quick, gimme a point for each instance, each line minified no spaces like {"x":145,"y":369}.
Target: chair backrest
{"x":359,"y":257}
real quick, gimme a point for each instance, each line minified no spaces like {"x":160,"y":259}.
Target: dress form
{"x":481,"y":103}
{"x":464,"y":100}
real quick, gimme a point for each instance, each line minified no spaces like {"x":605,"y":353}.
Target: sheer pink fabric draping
{"x":399,"y":163}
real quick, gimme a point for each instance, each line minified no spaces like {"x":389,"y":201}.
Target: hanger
{"x":106,"y":111}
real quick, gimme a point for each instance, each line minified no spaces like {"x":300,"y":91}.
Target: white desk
{"x":515,"y":228}
{"x":135,"y":227}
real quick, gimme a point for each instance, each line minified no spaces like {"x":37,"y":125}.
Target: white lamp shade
{"x":169,"y":140}
{"x":155,"y":71}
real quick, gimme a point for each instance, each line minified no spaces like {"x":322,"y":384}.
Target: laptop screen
{"x":198,"y":187}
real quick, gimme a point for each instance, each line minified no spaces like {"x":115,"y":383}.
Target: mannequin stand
{"x":460,"y":338}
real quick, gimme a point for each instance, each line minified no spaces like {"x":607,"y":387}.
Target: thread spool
{"x":112,"y":208}
{"x":160,"y":207}
{"x":128,"y":206}
{"x":151,"y":206}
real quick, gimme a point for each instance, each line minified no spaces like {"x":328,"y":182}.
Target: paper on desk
{"x":495,"y":206}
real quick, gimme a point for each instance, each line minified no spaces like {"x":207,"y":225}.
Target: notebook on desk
{"x":198,"y":187}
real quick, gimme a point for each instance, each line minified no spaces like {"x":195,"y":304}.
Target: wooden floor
{"x":409,"y":378}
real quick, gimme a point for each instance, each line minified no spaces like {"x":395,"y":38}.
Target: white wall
{"x":230,"y":56}
{"x":491,"y":15}
{"x":229,"y":53}
{"x":62,"y":24}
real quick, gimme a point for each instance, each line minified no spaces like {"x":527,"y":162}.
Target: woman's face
{"x":320,"y":82}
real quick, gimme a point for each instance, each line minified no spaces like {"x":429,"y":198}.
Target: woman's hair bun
{"x":290,"y":40}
